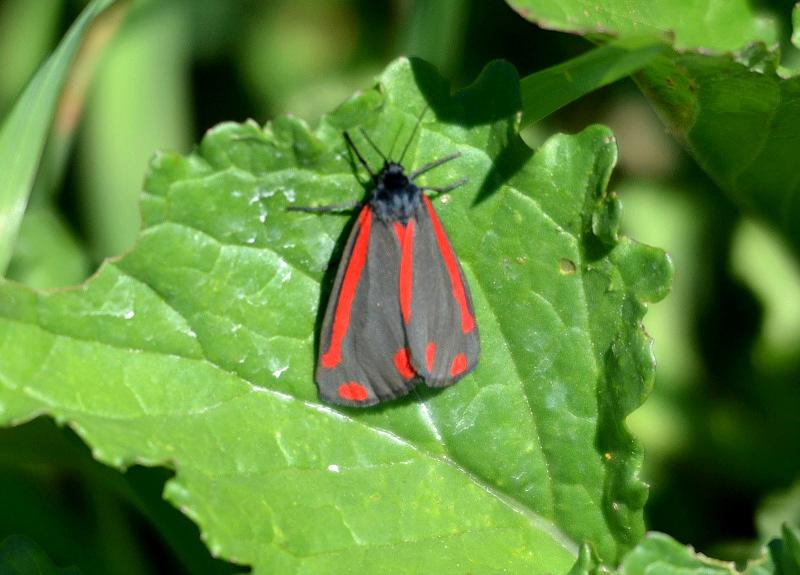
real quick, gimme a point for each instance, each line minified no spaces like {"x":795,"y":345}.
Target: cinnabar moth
{"x":400,"y":310}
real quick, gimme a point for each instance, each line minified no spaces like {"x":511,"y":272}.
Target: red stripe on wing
{"x":406,"y":236}
{"x":341,"y":318}
{"x":467,"y":321}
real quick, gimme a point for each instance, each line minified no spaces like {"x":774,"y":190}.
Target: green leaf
{"x":21,"y":556}
{"x":776,"y":509}
{"x":587,"y":562}
{"x":47,"y":255}
{"x":546,"y":91}
{"x":659,"y":553}
{"x":736,"y":115}
{"x":668,"y":556}
{"x":692,"y":24}
{"x":796,"y":26}
{"x":24,"y":131}
{"x":789,"y":558}
{"x":196,"y":349}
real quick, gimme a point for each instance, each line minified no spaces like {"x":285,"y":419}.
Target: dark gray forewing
{"x":436,"y":316}
{"x":375,"y":331}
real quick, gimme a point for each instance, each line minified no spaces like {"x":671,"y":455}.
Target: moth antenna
{"x":329,"y":208}
{"x":374,"y":146}
{"x":377,"y":149}
{"x":445,"y":189}
{"x":358,"y":154}
{"x":414,"y":131}
{"x":433,"y":164}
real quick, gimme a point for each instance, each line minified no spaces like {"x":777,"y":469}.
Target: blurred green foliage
{"x":721,"y":429}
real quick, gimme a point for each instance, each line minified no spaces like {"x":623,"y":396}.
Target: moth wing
{"x":442,"y":333}
{"x":363,"y":357}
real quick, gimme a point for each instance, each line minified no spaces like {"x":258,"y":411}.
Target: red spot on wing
{"x":467,"y":321}
{"x":403,"y":364}
{"x":341,"y":318}
{"x":406,"y":268}
{"x":459,"y":364}
{"x":353,"y":391}
{"x":430,"y":353}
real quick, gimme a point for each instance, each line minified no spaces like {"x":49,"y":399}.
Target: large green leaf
{"x":196,"y":349}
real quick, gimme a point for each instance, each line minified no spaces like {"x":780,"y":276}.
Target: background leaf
{"x":553,"y":88}
{"x":692,"y":23}
{"x":734,"y":112}
{"x":24,"y":130}
{"x":21,"y":556}
{"x":780,"y":556}
{"x":195,"y":350}
{"x":737,"y":116}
